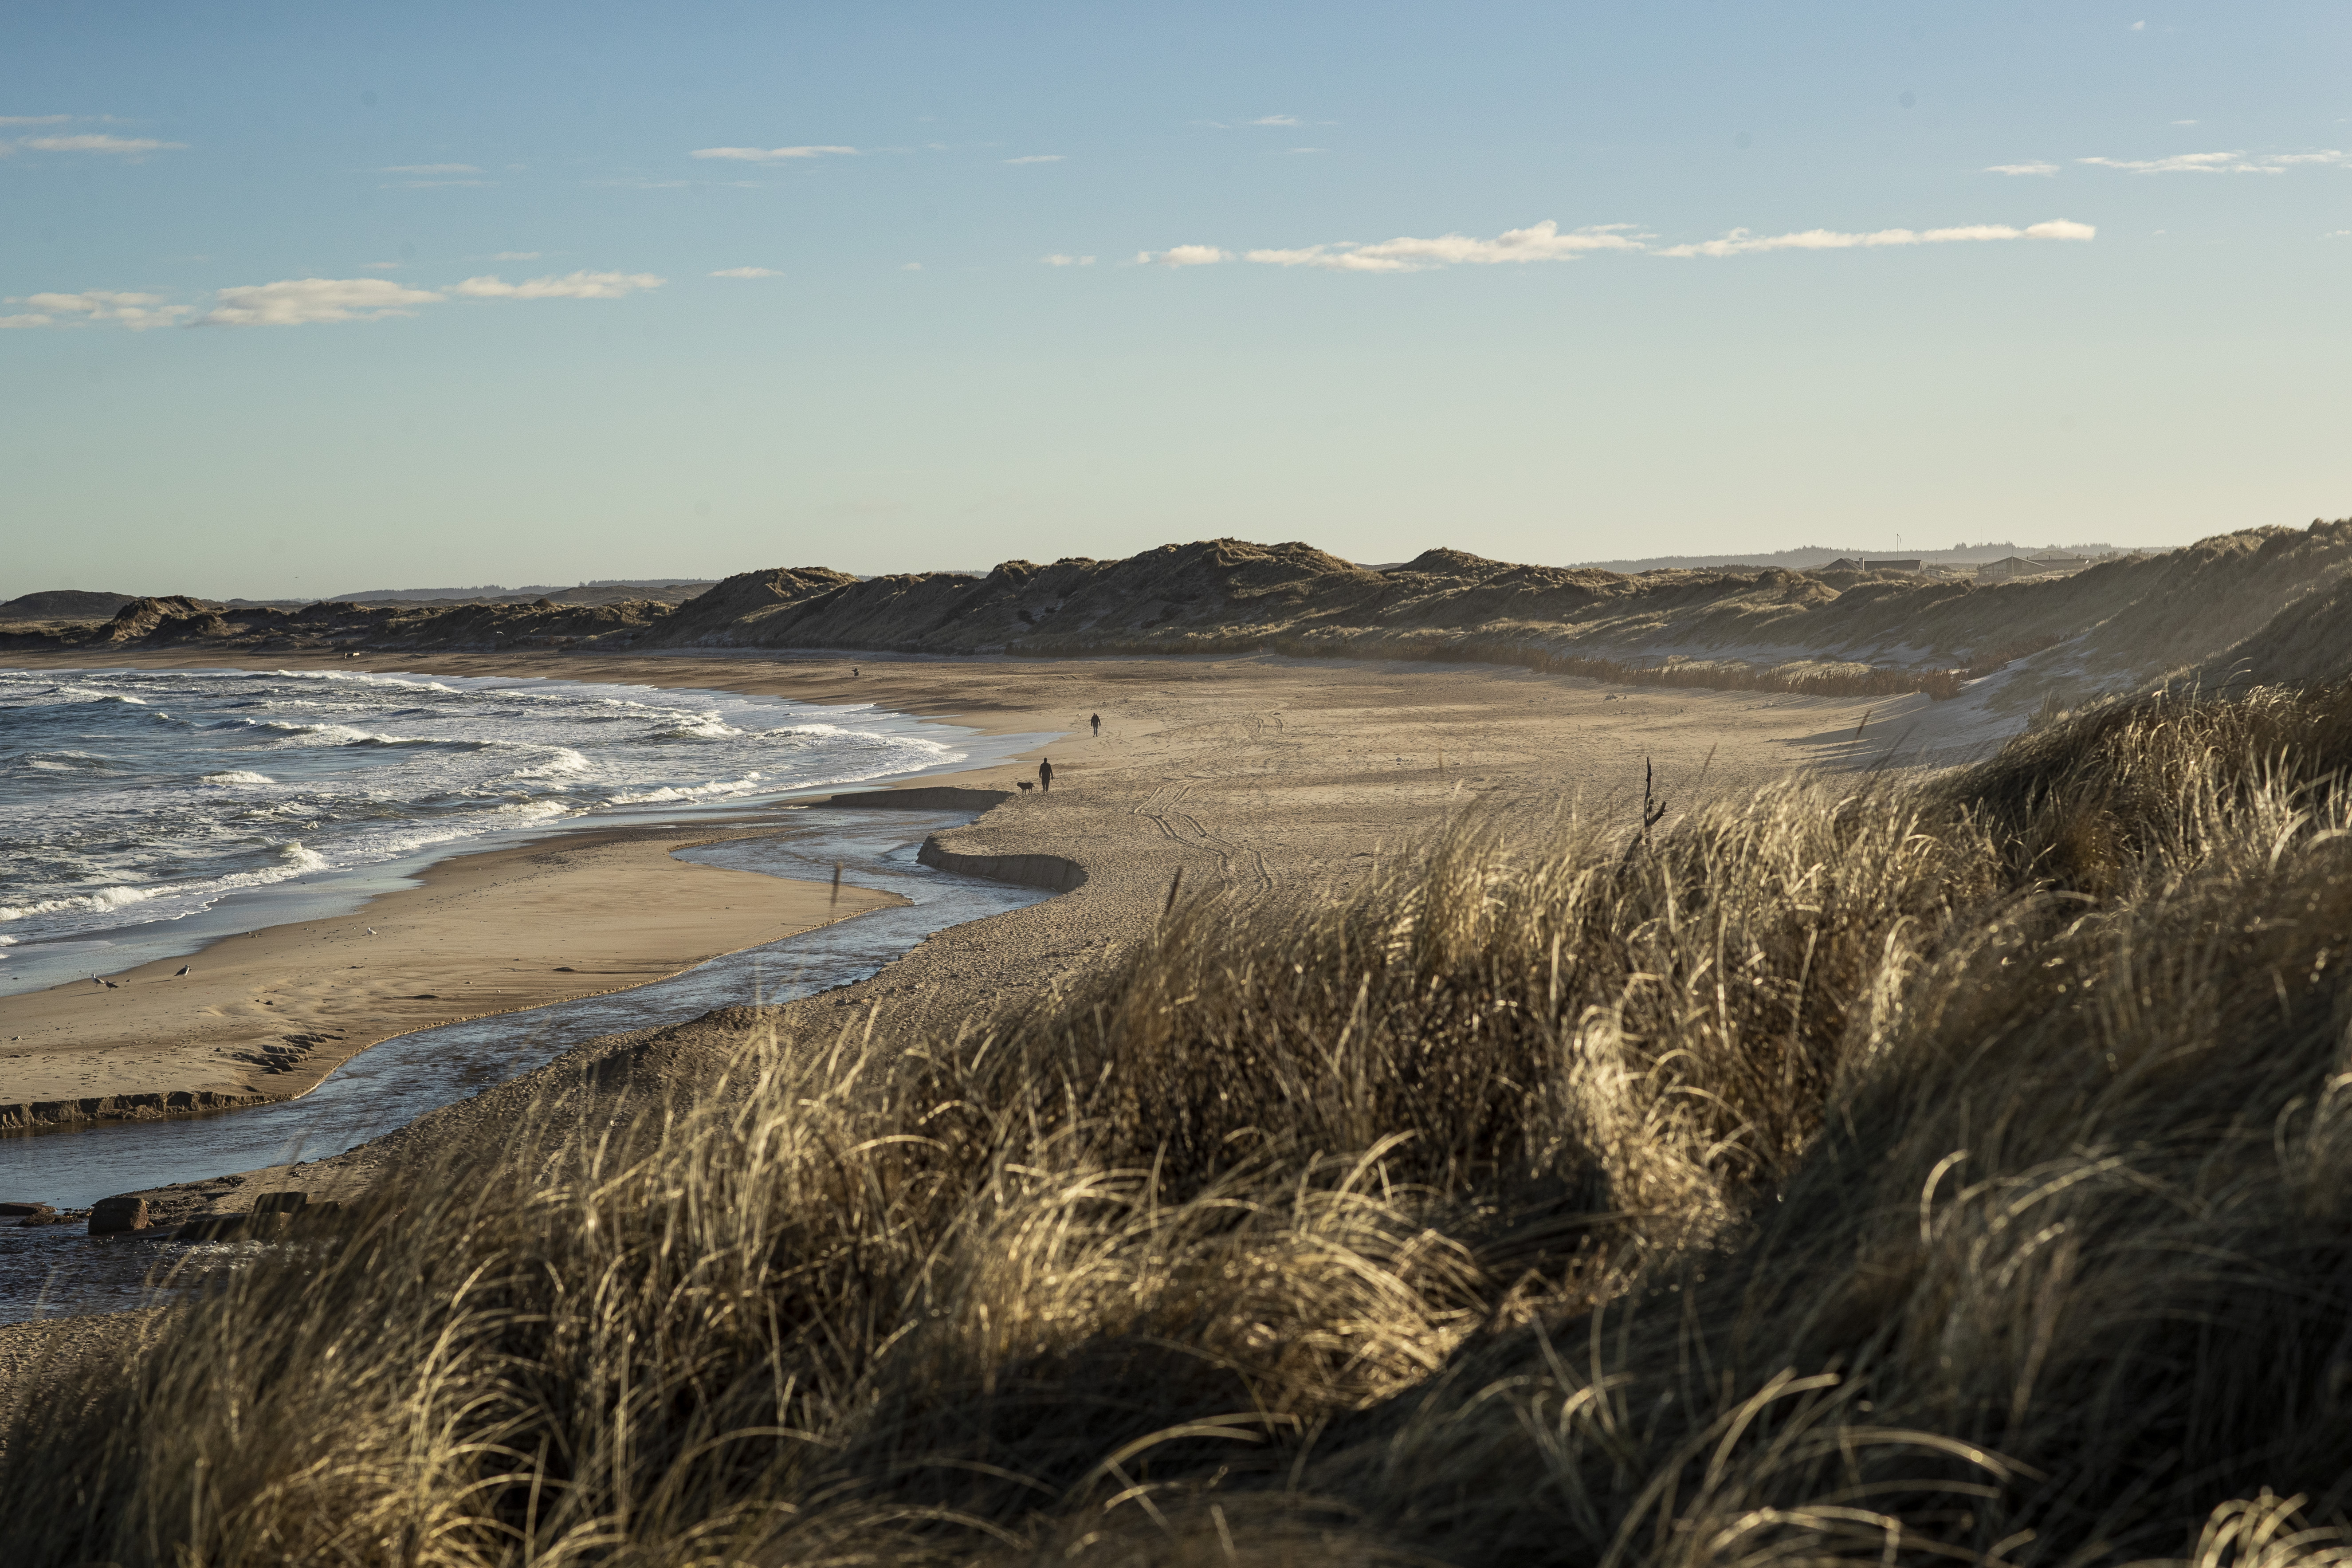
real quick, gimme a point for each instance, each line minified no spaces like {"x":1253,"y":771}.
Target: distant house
{"x":2060,"y":561}
{"x":1910,"y":566}
{"x":1842,"y":564}
{"x":2008,"y":568}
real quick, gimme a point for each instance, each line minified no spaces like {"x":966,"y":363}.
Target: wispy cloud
{"x":429,"y":169}
{"x":570,"y":285}
{"x":1058,"y":259}
{"x":137,"y":312}
{"x":769,"y":154}
{"x":2184,"y":122}
{"x":94,"y":141}
{"x":36,"y":119}
{"x":2022,"y":169}
{"x":1537,"y":242}
{"x":747,"y":272}
{"x":911,"y":266}
{"x":1740,"y":242}
{"x":2224,"y":163}
{"x":310,"y":301}
{"x":436,"y":184}
{"x":1038,"y":158}
{"x":1184,"y":256}
{"x":1277,"y":119}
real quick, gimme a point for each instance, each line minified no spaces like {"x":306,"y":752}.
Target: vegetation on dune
{"x":1876,"y":1174}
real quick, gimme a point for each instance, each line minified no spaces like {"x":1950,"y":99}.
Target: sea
{"x":136,"y":804}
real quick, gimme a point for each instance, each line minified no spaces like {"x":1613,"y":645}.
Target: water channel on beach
{"x":57,"y":1270}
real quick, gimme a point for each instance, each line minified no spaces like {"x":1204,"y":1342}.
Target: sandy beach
{"x":268,"y":1014}
{"x":1252,"y":776}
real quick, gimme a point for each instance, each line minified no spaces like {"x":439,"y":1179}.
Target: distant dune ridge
{"x":2263,"y":604}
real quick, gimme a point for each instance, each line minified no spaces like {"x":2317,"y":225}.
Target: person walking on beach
{"x":1046,"y":775}
{"x":1097,"y":721}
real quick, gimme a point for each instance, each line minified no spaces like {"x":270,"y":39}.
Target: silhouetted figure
{"x":852,"y":672}
{"x":1097,"y":721}
{"x":1046,"y":775}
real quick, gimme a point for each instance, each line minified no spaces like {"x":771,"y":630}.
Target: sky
{"x":299,"y":299}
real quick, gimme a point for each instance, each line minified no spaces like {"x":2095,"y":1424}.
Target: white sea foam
{"x":122,"y":813}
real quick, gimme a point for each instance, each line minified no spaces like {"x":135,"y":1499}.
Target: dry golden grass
{"x":1955,"y":1173}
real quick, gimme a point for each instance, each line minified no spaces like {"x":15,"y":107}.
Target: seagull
{"x":109,"y":985}
{"x":185,"y":970}
{"x":371,"y":931}
{"x":94,"y":980}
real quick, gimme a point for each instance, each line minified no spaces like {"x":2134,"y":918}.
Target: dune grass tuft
{"x":1876,"y":1174}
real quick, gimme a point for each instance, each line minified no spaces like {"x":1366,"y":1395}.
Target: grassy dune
{"x":1932,"y":1173}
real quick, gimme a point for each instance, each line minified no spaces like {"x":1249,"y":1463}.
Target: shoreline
{"x":270,"y":1013}
{"x":255,"y":1024}
{"x":1366,"y":751}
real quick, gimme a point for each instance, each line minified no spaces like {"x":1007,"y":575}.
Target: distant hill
{"x":2273,"y":603}
{"x":1814,"y":555}
{"x":602,"y":591}
{"x":63,"y":604}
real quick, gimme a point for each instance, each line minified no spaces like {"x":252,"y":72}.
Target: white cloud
{"x":1277,"y":119}
{"x":2139,"y":26}
{"x":1058,"y":259}
{"x":2222,"y":163}
{"x":12,"y":321}
{"x":747,"y":272}
{"x":34,"y":119}
{"x":92,"y":142}
{"x":516,"y":256}
{"x":1740,"y":242}
{"x":572,"y":285}
{"x":433,"y":185}
{"x":2022,"y":169}
{"x":2184,"y":122}
{"x":1038,"y":158}
{"x":767,"y":155}
{"x":430,"y":169}
{"x":137,"y":312}
{"x":912,"y":267}
{"x":303,"y":301}
{"x":1185,"y":256}
{"x":1538,"y":242}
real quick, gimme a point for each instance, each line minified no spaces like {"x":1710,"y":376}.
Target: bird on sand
{"x":109,"y":985}
{"x":94,"y":980}
{"x":371,"y":931}
{"x":185,"y":970}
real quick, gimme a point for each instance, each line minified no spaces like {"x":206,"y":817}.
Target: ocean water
{"x":134,"y":802}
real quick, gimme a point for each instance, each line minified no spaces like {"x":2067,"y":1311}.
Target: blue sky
{"x":305,"y":299}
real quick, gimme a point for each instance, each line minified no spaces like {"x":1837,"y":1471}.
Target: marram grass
{"x":1878,"y":1174}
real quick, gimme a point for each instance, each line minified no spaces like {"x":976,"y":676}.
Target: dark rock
{"x":281,"y":1202}
{"x":113,"y":1216}
{"x":19,"y":1210}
